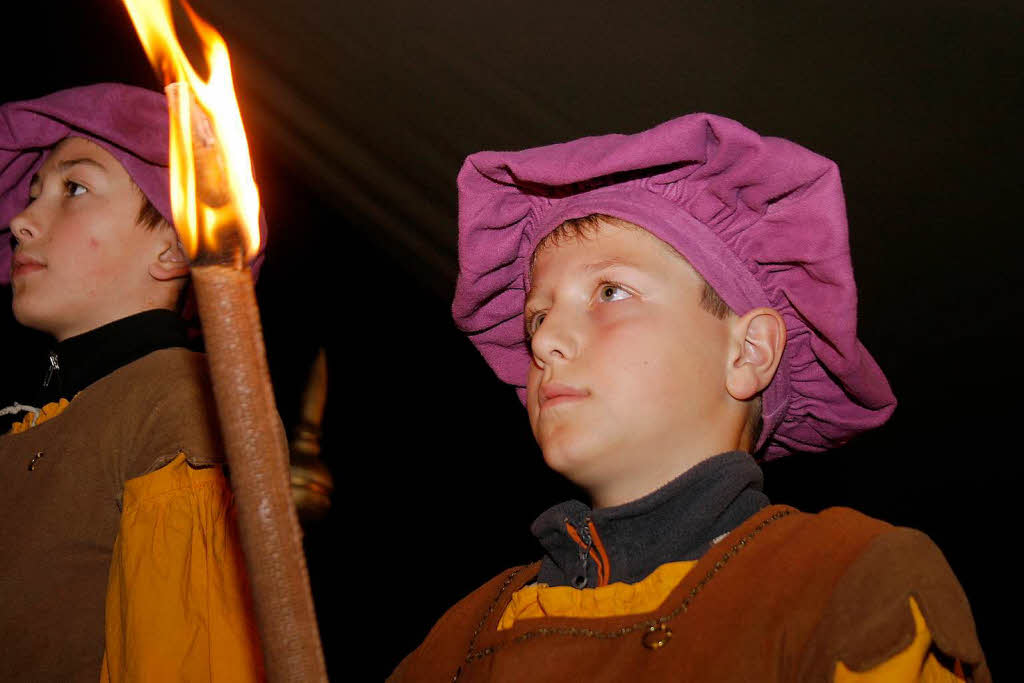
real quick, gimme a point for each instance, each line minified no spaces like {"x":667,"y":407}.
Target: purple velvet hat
{"x":762,"y":219}
{"x":131,"y":123}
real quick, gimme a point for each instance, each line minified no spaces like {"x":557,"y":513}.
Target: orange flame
{"x":213,"y":194}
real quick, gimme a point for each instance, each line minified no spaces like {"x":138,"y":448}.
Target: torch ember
{"x":209,"y":183}
{"x":213,"y":193}
{"x":216,"y":213}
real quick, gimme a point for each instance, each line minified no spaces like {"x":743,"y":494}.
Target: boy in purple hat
{"x":119,"y":555}
{"x":667,"y":304}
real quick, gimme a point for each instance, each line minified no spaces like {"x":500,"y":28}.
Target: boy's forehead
{"x":607,"y":244}
{"x":74,"y":149}
{"x":586,"y":252}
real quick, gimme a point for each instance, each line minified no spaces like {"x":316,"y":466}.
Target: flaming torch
{"x":216,"y":212}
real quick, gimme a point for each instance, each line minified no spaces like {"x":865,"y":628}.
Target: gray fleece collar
{"x":679,"y":521}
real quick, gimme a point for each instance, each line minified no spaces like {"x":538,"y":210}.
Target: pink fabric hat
{"x":131,"y":123}
{"x":762,"y":219}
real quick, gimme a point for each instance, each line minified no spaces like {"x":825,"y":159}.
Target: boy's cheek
{"x":613,"y":315}
{"x":533,"y":379}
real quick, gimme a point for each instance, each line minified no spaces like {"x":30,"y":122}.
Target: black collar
{"x":679,"y":521}
{"x":77,"y":362}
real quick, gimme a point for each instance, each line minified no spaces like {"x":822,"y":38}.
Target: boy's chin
{"x":28,"y":316}
{"x":575,"y":459}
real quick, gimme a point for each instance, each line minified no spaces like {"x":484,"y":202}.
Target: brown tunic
{"x":784,"y":597}
{"x":58,"y":522}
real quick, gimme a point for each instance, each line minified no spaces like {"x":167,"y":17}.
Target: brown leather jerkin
{"x":783,"y":597}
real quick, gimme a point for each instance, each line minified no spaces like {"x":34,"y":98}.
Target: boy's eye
{"x":533,"y":321}
{"x":74,"y":189}
{"x":609,"y":292}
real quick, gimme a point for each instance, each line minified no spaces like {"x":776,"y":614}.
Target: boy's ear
{"x":171,"y":263}
{"x":757,"y":341}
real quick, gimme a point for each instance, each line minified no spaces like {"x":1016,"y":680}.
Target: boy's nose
{"x":555,"y":340}
{"x":24,"y":227}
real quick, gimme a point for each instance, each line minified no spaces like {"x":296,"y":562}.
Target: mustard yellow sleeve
{"x":916,"y":664}
{"x":177,"y":604}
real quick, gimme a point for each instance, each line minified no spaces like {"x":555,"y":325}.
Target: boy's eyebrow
{"x":595,"y":267}
{"x":607,"y":263}
{"x":68,"y":163}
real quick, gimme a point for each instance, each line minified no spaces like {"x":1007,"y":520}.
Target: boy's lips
{"x":555,"y":393}
{"x":24,"y":264}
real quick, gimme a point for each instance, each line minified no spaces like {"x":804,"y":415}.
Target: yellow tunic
{"x":177,"y":602}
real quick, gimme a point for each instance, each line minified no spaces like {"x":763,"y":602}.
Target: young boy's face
{"x":81,"y":259}
{"x":627,"y":385}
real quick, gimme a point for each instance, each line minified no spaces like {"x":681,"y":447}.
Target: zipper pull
{"x":54,"y":368}
{"x":583,"y":532}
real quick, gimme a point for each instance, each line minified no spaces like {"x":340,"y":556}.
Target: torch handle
{"x":257,"y":455}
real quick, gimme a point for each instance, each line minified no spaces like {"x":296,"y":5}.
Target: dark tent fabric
{"x":359,"y":115}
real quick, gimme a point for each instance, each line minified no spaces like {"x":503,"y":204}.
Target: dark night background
{"x":359,"y":115}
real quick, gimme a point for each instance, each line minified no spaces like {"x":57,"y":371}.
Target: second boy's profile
{"x":119,"y":553}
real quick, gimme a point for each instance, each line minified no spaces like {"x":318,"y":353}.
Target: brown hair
{"x":710,"y":300}
{"x":149,"y":217}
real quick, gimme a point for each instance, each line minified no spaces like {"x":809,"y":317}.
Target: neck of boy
{"x":76,"y":362}
{"x":655,"y":462}
{"x":587,"y":547}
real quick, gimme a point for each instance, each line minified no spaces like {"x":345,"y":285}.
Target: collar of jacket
{"x":77,"y":362}
{"x":679,"y":521}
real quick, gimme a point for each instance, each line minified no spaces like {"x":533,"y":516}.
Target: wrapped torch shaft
{"x":257,"y":454}
{"x":254,"y":439}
